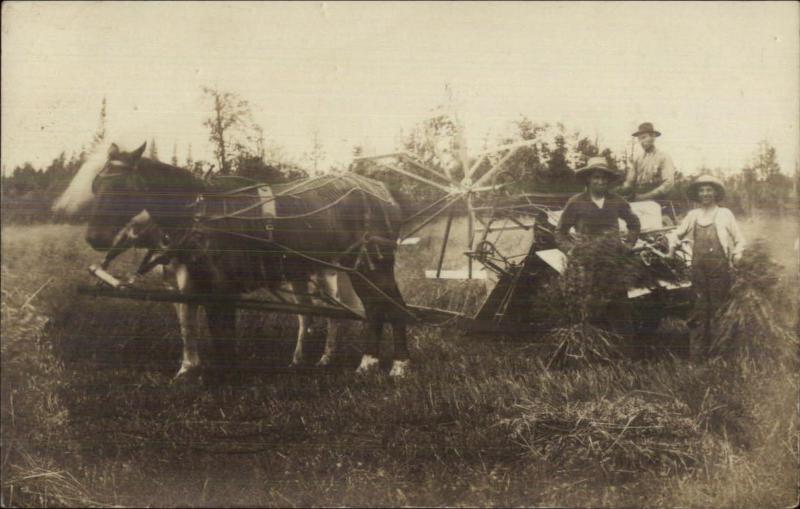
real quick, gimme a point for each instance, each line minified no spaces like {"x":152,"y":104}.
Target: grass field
{"x":89,"y":416}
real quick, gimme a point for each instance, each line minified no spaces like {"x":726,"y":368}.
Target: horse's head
{"x":139,"y":232}
{"x":120,"y":193}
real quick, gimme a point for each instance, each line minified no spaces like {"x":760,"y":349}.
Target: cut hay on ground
{"x":626,"y":435}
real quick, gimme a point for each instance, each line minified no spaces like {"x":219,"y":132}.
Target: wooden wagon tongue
{"x":104,"y":276}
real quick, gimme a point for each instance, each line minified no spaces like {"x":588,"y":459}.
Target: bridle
{"x":124,"y":171}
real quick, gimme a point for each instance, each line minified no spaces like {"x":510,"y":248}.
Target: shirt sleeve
{"x":667,"y":177}
{"x":668,"y":170}
{"x":567,"y":220}
{"x":682,"y":230}
{"x":631,"y":220}
{"x":630,"y":177}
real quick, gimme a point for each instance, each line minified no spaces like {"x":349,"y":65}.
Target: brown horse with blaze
{"x":224,"y":245}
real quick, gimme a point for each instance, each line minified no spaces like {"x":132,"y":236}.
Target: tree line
{"x":546,"y":165}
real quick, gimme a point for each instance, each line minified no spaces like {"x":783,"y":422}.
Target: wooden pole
{"x":470,"y":233}
{"x":437,"y":185}
{"x":444,"y":242}
{"x":486,"y":176}
{"x":408,"y":157}
{"x":205,"y":299}
{"x":431,"y":218}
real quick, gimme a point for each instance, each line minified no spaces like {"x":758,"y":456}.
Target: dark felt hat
{"x":646,"y":127}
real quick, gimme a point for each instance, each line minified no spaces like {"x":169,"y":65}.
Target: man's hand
{"x":673,"y":247}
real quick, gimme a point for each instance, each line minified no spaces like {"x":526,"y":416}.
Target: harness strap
{"x":349,"y":270}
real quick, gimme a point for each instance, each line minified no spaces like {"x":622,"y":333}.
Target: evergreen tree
{"x":100,"y":134}
{"x":189,"y":161}
{"x":153,"y":152}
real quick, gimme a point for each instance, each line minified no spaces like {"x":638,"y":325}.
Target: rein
{"x":201,"y":224}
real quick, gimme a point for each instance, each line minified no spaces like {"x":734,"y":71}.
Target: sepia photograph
{"x":400,"y":254}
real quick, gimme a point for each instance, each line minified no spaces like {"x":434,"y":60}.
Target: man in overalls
{"x":717,"y":243}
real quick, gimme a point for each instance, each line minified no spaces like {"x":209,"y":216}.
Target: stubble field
{"x":90,"y":418}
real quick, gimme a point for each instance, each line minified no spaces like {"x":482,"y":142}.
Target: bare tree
{"x":317,"y":152}
{"x":229,"y":123}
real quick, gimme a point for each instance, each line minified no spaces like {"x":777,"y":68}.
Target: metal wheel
{"x":456,"y":191}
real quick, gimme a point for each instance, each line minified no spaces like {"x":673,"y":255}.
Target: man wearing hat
{"x":717,"y":243}
{"x":653,"y":173}
{"x":597,"y":210}
{"x":595,"y":213}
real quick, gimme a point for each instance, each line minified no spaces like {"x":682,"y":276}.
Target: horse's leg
{"x":386,"y":281}
{"x":370,"y":360}
{"x":300,"y":288}
{"x":331,"y":283}
{"x":222,"y":326}
{"x":331,"y":343}
{"x":374,"y":323}
{"x":187,"y":319}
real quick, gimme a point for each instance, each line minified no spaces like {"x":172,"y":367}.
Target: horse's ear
{"x":137,"y":154}
{"x":113,"y":150}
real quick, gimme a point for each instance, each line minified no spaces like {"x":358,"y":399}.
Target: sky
{"x":715,"y":78}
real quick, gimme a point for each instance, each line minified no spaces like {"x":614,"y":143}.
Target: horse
{"x":224,"y":246}
{"x":141,"y":232}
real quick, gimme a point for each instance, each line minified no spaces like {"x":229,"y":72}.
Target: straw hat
{"x":646,"y":127}
{"x":705,"y":180}
{"x":594,"y":164}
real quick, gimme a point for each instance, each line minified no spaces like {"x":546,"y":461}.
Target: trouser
{"x":712,"y":284}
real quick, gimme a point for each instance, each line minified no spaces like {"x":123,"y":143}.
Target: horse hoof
{"x":325,"y":361}
{"x":368,"y":364}
{"x":297,"y":365}
{"x":400,"y":368}
{"x":187,"y":376}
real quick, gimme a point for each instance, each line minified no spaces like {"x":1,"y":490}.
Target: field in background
{"x":89,"y":416}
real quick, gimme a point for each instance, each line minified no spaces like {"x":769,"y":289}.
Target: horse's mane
{"x":79,"y":191}
{"x":173,"y":175}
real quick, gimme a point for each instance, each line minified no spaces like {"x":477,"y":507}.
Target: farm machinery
{"x":520,"y":269}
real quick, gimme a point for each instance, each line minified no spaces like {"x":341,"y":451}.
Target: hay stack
{"x":598,"y":271}
{"x":749,"y":323}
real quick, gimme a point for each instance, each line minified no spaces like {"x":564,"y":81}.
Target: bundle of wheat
{"x":581,"y":345}
{"x":749,"y":322}
{"x":598,"y":272}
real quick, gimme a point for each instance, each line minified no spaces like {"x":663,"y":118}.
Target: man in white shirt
{"x":653,"y":174}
